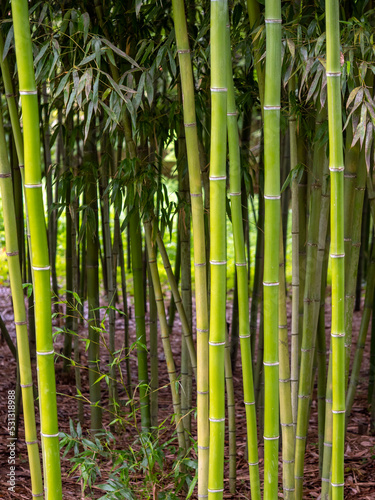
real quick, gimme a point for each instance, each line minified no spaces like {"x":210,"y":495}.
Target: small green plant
{"x":139,"y":469}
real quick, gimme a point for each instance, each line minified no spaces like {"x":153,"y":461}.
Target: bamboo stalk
{"x":217,"y":247}
{"x":242,"y":282}
{"x":39,"y":249}
{"x":199,"y":240}
{"x":165,"y":337}
{"x":333,"y":71}
{"x":271,"y":245}
{"x":23,"y":353}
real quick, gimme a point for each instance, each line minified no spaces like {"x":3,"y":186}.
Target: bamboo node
{"x":333,"y":73}
{"x":8,"y":96}
{"x":252,"y":463}
{"x":49,"y":435}
{"x":31,"y":186}
{"x":329,"y":401}
{"x":249,"y":403}
{"x":31,"y":442}
{"x":199,"y":264}
{"x":298,"y":477}
{"x":208,"y":489}
{"x":336,"y":169}
{"x":37,"y":495}
{"x":202,"y":392}
{"x":28,"y":92}
{"x":270,"y":283}
{"x":21,"y":166}
{"x":203,"y":496}
{"x":218,"y":262}
{"x":232,"y":114}
{"x":337,"y":485}
{"x":216,"y":343}
{"x":241,"y":264}
{"x":203,"y":447}
{"x":244,"y":336}
{"x":337,"y":335}
{"x":183,"y":51}
{"x":269,"y":197}
{"x":284,"y":381}
{"x":45,"y":268}
{"x":265,"y":363}
{"x":324,"y":479}
{"x":337,"y":255}
{"x":45,"y":353}
{"x":216,"y":419}
{"x":192,"y":124}
{"x":5,"y":176}
{"x":350,"y":176}
{"x":196,"y":195}
{"x":303,"y":396}
{"x":26,"y":385}
{"x":219,"y":89}
{"x":202,"y":330}
{"x":273,"y":21}
{"x":307,"y":350}
{"x":329,"y":446}
{"x":282,"y":327}
{"x":303,"y":438}
{"x":219,"y":178}
{"x":338,"y":411}
{"x":234,"y":194}
{"x":288,"y":461}
{"x":287,"y":425}
{"x":20,"y":322}
{"x":271,"y":108}
{"x":274,"y":438}
{"x":12,"y":254}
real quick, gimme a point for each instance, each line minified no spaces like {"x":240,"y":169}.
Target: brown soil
{"x":359,"y":446}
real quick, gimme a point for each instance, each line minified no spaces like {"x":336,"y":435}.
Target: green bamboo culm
{"x":271,"y":246}
{"x":199,"y":240}
{"x":241,"y":272}
{"x":336,"y":167}
{"x":217,"y":248}
{"x":23,"y":351}
{"x":39,"y":250}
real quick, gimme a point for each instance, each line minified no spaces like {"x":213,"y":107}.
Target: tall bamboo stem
{"x":271,"y":245}
{"x":39,"y":249}
{"x":336,"y":167}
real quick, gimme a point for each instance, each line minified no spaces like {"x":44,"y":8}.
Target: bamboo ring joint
{"x":192,"y":124}
{"x":269,"y":197}
{"x":209,"y":490}
{"x":35,"y":495}
{"x":218,"y":262}
{"x":12,"y":254}
{"x":202,"y":330}
{"x":219,"y":178}
{"x":24,"y":386}
{"x":333,"y":73}
{"x":336,"y":169}
{"x":183,"y":51}
{"x":218,"y":89}
{"x":50,"y":435}
{"x":20,"y":322}
{"x":234,"y":194}
{"x":338,"y":411}
{"x":31,"y":442}
{"x":275,"y":283}
{"x":273,"y":21}
{"x":5,"y":176}
{"x":240,"y":264}
{"x":45,"y":353}
{"x":265,"y":363}
{"x":252,"y":463}
{"x":249,"y":404}
{"x":245,"y":336}
{"x":271,"y":108}
{"x":214,"y":344}
{"x":31,"y":186}
{"x":337,"y":485}
{"x":45,"y":268}
{"x":28,"y":92}
{"x":271,"y":438}
{"x":216,"y":419}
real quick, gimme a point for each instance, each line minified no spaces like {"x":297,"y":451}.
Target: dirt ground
{"x":359,"y":445}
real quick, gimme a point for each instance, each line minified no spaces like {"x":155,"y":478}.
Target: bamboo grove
{"x":188,"y":215}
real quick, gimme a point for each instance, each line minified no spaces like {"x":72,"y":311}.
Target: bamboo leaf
{"x":352,"y":95}
{"x":88,"y":119}
{"x":149,"y":88}
{"x":86,"y":24}
{"x":87,"y":59}
{"x":8,"y":41}
{"x":62,"y":84}
{"x":120,"y":52}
